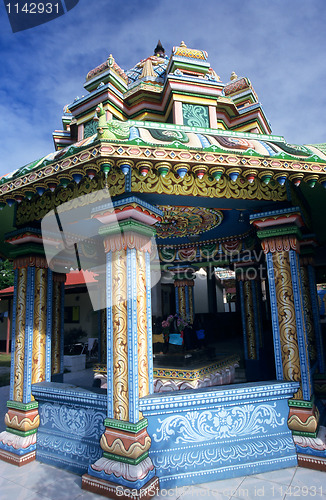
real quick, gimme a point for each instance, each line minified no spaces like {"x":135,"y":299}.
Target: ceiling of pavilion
{"x":180,"y":221}
{"x":182,"y":225}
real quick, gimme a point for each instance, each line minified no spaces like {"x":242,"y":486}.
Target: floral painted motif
{"x":195,"y":115}
{"x":223,"y":421}
{"x":222,"y":455}
{"x":76,"y":421}
{"x":239,"y":421}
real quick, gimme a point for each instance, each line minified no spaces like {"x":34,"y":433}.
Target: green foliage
{"x":6,"y":274}
{"x":5,"y":359}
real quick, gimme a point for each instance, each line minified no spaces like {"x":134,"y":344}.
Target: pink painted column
{"x":177,"y":113}
{"x":80,"y":132}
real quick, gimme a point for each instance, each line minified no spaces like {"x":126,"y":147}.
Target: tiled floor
{"x":36,"y":481}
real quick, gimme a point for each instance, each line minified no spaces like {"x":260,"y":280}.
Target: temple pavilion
{"x":164,"y":170}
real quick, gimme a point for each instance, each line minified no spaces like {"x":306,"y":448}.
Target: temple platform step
{"x":240,"y":376}
{"x":312,"y":451}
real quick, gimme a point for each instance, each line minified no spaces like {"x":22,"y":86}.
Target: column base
{"x":17,"y":444}
{"x":312,"y":451}
{"x":18,"y":441}
{"x":303,"y":418}
{"x":19,"y":460}
{"x":312,"y":462}
{"x":117,"y":491}
{"x":125,"y":470}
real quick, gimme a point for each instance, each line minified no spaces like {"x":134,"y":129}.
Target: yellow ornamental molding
{"x":296,"y":424}
{"x":39,"y":337}
{"x":208,"y":187}
{"x":91,"y":159}
{"x":120,"y":342}
{"x":287,"y":319}
{"x":128,"y":239}
{"x":143,"y":384}
{"x":184,"y":51}
{"x":135,"y":450}
{"x":19,"y":354}
{"x":36,"y":209}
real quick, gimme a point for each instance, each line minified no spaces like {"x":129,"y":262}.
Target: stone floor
{"x":36,"y":481}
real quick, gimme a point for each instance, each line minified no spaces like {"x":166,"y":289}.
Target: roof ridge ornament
{"x":110,"y":60}
{"x":159,"y":50}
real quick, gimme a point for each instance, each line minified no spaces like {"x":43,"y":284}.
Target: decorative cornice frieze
{"x":283,"y":243}
{"x":30,"y":261}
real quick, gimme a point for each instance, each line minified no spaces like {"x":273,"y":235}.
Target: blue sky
{"x":278,"y":44}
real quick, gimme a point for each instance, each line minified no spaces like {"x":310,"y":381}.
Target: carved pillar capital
{"x":279,"y":230}
{"x":31,"y":260}
{"x":279,"y":243}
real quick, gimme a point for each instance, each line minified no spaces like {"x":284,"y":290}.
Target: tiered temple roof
{"x":155,"y":87}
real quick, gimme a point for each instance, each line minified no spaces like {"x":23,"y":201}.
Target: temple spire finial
{"x":159,"y":50}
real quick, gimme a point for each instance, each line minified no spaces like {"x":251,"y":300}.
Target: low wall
{"x":197,"y":436}
{"x":75,"y":363}
{"x":211,"y":434}
{"x":71,"y":425}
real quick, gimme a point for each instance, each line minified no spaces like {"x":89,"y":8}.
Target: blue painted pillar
{"x":280,"y":237}
{"x":249,"y":291}
{"x":308,"y":312}
{"x":316,"y":318}
{"x":311,"y":307}
{"x":184,"y":293}
{"x":30,"y":361}
{"x":125,"y":465}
